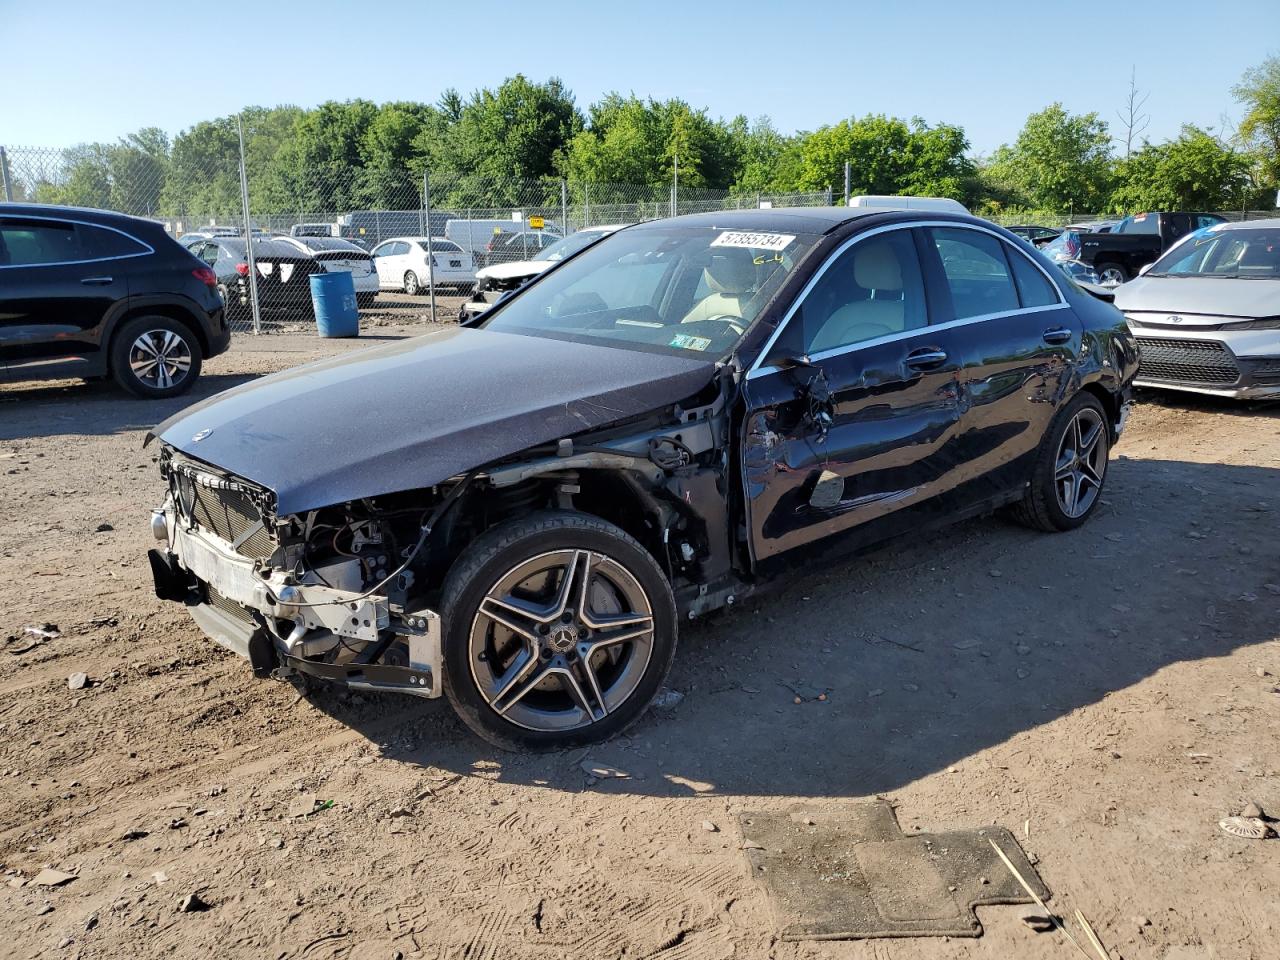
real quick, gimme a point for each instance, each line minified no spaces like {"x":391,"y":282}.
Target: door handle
{"x":925,"y":358}
{"x":1057,"y":335}
{"x":97,"y":281}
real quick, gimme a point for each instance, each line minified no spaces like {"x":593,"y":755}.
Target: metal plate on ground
{"x":853,"y":874}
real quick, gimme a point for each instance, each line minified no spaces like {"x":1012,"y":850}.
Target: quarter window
{"x":976,"y":271}
{"x":98,"y":243}
{"x":1033,"y":288}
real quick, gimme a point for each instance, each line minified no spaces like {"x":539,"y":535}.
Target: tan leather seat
{"x":730,"y":275}
{"x":875,"y":268}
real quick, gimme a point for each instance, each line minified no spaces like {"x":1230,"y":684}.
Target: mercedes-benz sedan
{"x":518,"y":514}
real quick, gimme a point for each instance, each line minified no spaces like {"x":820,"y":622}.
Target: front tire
{"x":1070,"y":468}
{"x":560,"y":629}
{"x":155,"y":357}
{"x":411,"y":285}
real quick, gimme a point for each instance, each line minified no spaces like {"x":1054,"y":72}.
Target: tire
{"x":411,"y":286}
{"x":155,"y":357}
{"x":517,"y":689}
{"x":1112,"y":274}
{"x":1048,"y":504}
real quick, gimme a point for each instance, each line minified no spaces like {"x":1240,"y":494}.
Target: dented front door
{"x":885,"y":440}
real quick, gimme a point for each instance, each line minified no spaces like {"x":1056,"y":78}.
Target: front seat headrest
{"x":731,"y":272}
{"x":876,"y":267}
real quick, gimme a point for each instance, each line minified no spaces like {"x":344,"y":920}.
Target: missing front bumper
{"x":240,"y":610}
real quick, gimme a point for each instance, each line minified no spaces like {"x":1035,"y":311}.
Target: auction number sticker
{"x":752,"y":241}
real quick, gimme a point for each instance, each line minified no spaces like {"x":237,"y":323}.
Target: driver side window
{"x":873,"y":289}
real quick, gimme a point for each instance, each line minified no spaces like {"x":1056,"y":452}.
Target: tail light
{"x":242,"y":269}
{"x":205,"y":276}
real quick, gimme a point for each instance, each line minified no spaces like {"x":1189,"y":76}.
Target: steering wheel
{"x":734,"y":323}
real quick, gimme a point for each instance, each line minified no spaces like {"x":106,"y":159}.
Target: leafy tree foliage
{"x":1058,"y":161}
{"x":1259,"y":92}
{"x":1194,"y":172}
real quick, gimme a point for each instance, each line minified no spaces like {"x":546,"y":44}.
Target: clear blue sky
{"x":76,"y":71}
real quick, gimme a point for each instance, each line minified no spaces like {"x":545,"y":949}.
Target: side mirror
{"x":1144,"y":268}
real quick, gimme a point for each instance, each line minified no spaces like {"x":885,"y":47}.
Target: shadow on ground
{"x":926,"y":652}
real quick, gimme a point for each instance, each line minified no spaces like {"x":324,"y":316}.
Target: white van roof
{"x":945,"y":204}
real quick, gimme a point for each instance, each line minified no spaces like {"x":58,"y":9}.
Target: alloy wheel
{"x":160,"y":359}
{"x":411,"y":283}
{"x":1081,"y":463}
{"x":1111,"y":277}
{"x":561,"y":640}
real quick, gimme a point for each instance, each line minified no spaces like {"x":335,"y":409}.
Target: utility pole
{"x":248,"y":236}
{"x":4,"y":175}
{"x":564,"y":207}
{"x":675,"y":185}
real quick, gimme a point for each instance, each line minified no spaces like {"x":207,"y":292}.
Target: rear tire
{"x":411,"y":285}
{"x":1112,"y":274}
{"x":155,"y":357}
{"x":1070,"y":468}
{"x":537,"y":656}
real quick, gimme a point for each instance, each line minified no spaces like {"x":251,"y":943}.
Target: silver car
{"x":1206,"y":315}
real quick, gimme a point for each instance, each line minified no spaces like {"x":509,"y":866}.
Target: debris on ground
{"x":603,"y":771}
{"x":192,"y":903}
{"x":45,"y":631}
{"x":77,"y":681}
{"x":48,"y":877}
{"x":1246,"y":828}
{"x":667,"y":698}
{"x":710,"y":827}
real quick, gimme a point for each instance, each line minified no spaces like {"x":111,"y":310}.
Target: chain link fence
{"x":413,"y":239}
{"x":265,"y":233}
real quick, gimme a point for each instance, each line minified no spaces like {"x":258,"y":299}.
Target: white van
{"x":474,"y":235}
{"x":941,"y":204}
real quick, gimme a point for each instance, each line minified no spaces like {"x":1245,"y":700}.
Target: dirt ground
{"x":1106,"y":694}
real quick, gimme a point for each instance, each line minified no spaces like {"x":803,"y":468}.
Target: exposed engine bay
{"x":350,"y":592}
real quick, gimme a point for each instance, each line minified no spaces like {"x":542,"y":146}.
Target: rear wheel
{"x":1070,"y":469}
{"x":1112,"y":274}
{"x":411,"y":286}
{"x":560,"y":628}
{"x":155,"y":357}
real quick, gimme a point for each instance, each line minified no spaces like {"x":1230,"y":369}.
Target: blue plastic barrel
{"x":334,"y":297}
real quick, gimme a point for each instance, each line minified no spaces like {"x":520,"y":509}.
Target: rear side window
{"x":1033,"y":288}
{"x":442,"y":246}
{"x":27,"y":243}
{"x":100,"y":243}
{"x":976,"y":271}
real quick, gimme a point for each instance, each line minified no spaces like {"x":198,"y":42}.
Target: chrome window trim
{"x":6,"y":215}
{"x":758,"y":366}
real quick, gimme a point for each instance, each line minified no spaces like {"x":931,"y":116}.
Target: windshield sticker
{"x":684,"y":341}
{"x":752,"y":241}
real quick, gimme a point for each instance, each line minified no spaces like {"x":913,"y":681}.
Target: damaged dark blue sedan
{"x":518,"y":514}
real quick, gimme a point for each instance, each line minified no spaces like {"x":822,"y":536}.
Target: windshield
{"x":662,"y":289}
{"x":569,"y":245}
{"x":1223,"y":253}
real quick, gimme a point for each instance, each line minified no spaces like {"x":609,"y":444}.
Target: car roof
{"x":1269,"y":223}
{"x":88,"y":214}
{"x":803,"y":219}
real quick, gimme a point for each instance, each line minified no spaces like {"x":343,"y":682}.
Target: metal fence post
{"x":248,"y":235}
{"x":586,"y":205}
{"x":675,"y":185}
{"x":564,"y":207}
{"x":848,"y":172}
{"x":4,"y":175}
{"x":431,"y":260}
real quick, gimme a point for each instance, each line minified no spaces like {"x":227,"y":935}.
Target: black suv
{"x":87,"y":293}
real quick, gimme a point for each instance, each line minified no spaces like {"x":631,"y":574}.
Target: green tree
{"x":1194,"y":172}
{"x":634,"y":141}
{"x":1259,"y":92}
{"x":316,"y":170}
{"x":1058,"y":161}
{"x":765,"y":160}
{"x":886,"y":156}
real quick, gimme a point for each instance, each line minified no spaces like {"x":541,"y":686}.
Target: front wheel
{"x":155,"y":357}
{"x":1070,"y":468}
{"x":560,"y":628}
{"x":411,"y":286}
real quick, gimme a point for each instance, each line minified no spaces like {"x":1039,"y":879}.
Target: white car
{"x":492,"y":283}
{"x":402,"y":264}
{"x":341,"y":256}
